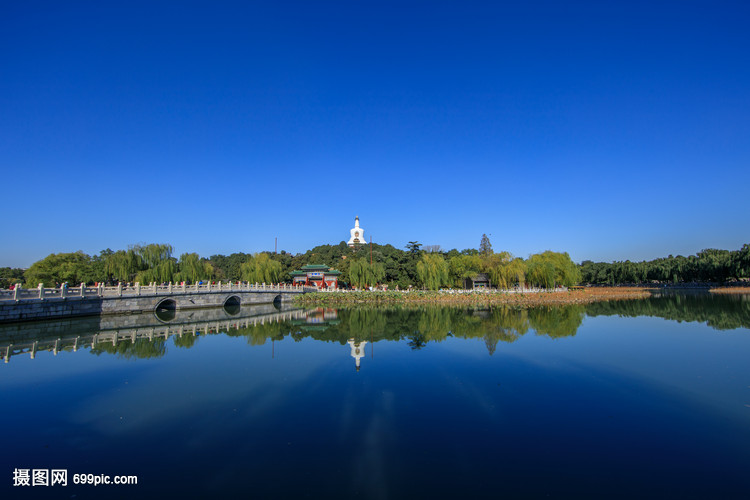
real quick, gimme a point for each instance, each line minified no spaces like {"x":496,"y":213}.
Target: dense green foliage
{"x":140,"y":263}
{"x":374,"y":264}
{"x":551,"y":269}
{"x":363,"y":274}
{"x":432,"y":271}
{"x":10,"y":276}
{"x":74,"y":268}
{"x":708,"y":265}
{"x":193,"y":268}
{"x":260,"y":268}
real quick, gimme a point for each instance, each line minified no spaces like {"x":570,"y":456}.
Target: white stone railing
{"x":138,"y":290}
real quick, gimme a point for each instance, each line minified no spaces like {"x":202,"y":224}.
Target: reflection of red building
{"x":316,"y":275}
{"x":321,"y":316}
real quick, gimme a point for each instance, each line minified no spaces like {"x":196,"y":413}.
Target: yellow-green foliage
{"x":462,"y":267}
{"x":193,"y":268}
{"x":504,"y":270}
{"x":550,"y":269}
{"x":260,"y":268}
{"x":363,"y":274}
{"x":433,"y":271}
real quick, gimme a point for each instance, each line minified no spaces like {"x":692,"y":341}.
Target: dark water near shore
{"x":637,"y":399}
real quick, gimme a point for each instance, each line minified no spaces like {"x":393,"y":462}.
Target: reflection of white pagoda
{"x":358,"y":350}
{"x":357,"y":234}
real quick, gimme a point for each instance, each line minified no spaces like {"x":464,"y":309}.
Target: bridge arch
{"x":166,"y":310}
{"x":232,"y":305}
{"x":277,"y":301}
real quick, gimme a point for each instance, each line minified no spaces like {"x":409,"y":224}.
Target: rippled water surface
{"x":640,"y":399}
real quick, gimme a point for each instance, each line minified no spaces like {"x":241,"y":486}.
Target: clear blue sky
{"x":610,"y":130}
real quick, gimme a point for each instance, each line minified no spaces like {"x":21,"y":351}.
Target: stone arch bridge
{"x":47,"y":303}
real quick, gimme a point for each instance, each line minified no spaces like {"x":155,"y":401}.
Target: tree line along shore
{"x":364,"y":266}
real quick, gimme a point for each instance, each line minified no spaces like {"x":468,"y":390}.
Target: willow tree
{"x":261,"y":268}
{"x":461,"y":267}
{"x":504,"y":270}
{"x":363,"y":274}
{"x":433,"y":271}
{"x":193,"y":268}
{"x":153,"y":254}
{"x":122,"y":265}
{"x":163,"y":272}
{"x":550,"y":269}
{"x":157,"y":263}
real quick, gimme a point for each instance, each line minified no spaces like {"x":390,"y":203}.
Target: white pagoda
{"x":357,"y":234}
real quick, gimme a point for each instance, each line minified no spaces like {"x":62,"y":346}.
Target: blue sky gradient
{"x":610,"y":130}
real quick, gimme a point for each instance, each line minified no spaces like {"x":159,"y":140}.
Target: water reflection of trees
{"x":185,"y":341}
{"x":556,"y":322}
{"x":722,"y":312}
{"x":418,"y":326}
{"x":127,"y":349}
{"x":421,"y":325}
{"x":261,"y":333}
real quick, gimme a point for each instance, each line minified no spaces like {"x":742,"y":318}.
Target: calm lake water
{"x":640,"y":399}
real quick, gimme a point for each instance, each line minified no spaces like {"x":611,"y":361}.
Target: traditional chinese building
{"x":316,"y":275}
{"x":481,"y":280}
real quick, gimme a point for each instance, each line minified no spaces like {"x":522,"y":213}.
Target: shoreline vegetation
{"x":363,"y":266}
{"x":470,"y":298}
{"x":731,"y":290}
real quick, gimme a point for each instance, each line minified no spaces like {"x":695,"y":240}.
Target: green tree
{"x":157,"y":263}
{"x":485,"y":247}
{"x":504,"y":270}
{"x":550,"y":269}
{"x":741,"y":262}
{"x":73,"y":268}
{"x":363,"y":274}
{"x":463,"y":266}
{"x":433,"y":271}
{"x":414,"y":247}
{"x":228,"y":267}
{"x":261,"y":268}
{"x":10,"y":276}
{"x":192,"y":268}
{"x":121,"y":265}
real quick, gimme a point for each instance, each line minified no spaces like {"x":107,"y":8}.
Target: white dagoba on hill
{"x":357,"y":234}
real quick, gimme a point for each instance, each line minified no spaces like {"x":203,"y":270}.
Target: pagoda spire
{"x":357,"y":234}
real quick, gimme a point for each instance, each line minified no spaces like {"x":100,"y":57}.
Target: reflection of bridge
{"x":70,"y":335}
{"x":47,"y":303}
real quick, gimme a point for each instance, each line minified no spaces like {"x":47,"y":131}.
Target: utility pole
{"x":370,"y":250}
{"x":275,"y":245}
